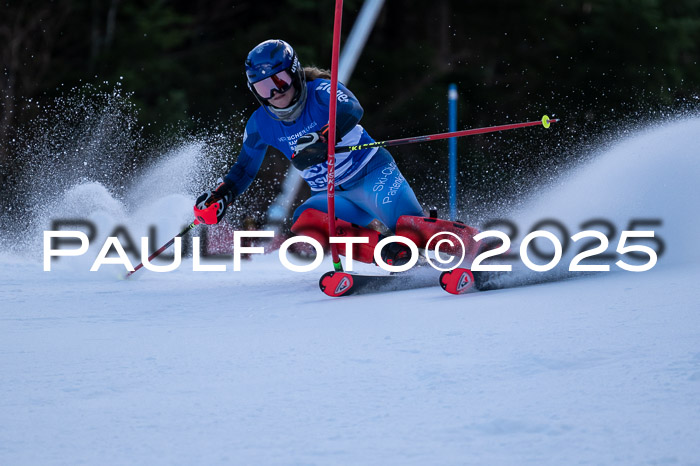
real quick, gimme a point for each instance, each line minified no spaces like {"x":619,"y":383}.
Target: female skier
{"x":293,"y":117}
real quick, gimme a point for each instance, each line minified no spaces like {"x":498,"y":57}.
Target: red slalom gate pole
{"x":545,"y":121}
{"x":337,"y":265}
{"x":165,"y":246}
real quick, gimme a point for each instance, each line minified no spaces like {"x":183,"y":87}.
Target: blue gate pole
{"x":452,"y":149}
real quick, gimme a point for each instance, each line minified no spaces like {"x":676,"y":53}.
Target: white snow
{"x":259,"y":367}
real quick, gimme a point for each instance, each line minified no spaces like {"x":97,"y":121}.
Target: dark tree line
{"x":592,"y":63}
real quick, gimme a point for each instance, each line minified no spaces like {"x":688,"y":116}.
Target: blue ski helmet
{"x":274,"y":66}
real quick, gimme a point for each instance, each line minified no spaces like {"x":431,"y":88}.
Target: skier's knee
{"x":312,"y":223}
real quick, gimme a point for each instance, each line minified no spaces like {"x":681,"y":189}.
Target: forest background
{"x":603,"y":67}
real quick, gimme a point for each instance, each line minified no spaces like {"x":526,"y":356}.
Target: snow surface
{"x":259,"y":367}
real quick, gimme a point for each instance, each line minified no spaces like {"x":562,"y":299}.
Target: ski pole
{"x":545,"y":121}
{"x":165,"y":246}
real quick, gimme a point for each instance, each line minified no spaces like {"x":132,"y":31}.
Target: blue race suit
{"x":368,"y":183}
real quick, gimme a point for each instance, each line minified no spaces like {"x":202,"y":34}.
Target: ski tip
{"x":335,"y":284}
{"x":457,"y":281}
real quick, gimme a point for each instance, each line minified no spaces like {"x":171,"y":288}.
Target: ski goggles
{"x":280,"y":82}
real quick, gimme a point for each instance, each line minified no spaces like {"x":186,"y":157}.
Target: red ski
{"x":456,"y":281}
{"x":338,"y":284}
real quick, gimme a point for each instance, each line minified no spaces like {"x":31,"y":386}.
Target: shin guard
{"x":314,"y":223}
{"x":421,"y":229}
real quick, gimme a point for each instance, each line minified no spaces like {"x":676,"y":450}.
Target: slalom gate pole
{"x":545,"y":121}
{"x":452,"y":97}
{"x":165,"y":246}
{"x":337,"y":265}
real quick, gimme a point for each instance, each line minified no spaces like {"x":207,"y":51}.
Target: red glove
{"x":210,"y":207}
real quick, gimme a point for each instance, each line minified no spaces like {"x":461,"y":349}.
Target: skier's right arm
{"x":210,"y":207}
{"x":246,"y":168}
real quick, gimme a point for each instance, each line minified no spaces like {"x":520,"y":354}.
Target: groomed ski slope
{"x":259,"y":367}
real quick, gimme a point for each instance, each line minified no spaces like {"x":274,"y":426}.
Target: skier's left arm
{"x":312,"y":148}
